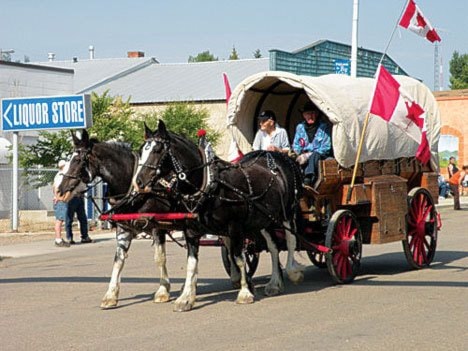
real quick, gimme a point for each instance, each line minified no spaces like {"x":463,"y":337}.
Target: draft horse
{"x":115,"y":164}
{"x":258,"y":194}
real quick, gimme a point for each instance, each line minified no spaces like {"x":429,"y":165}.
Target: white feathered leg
{"x":110,"y":299}
{"x":294,"y":270}
{"x":163,"y":292}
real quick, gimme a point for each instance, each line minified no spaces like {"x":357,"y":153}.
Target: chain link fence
{"x":35,"y":199}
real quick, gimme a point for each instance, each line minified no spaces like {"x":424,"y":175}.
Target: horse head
{"x":77,"y":172}
{"x":166,"y":161}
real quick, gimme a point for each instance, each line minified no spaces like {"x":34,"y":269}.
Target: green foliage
{"x":459,"y":71}
{"x":113,"y":120}
{"x":257,"y":54}
{"x":204,"y":56}
{"x":184,"y":119}
{"x":48,"y":150}
{"x":234,"y":55}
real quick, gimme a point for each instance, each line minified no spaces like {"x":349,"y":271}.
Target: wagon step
{"x":156,"y":216}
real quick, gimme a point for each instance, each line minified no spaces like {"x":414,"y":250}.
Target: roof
{"x":319,"y":58}
{"x":90,"y":73}
{"x":35,"y":66}
{"x":200,"y":81}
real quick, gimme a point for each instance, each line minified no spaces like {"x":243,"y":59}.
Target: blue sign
{"x":343,"y":66}
{"x":48,"y":112}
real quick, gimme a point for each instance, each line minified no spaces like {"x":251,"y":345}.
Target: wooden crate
{"x":371,"y":168}
{"x":388,"y":207}
{"x":361,"y":194}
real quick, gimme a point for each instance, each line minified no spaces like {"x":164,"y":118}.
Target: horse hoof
{"x":108,"y":304}
{"x":272,"y":290}
{"x":182,"y":306}
{"x":161,"y":297}
{"x":243,"y":299}
{"x":296,"y":277}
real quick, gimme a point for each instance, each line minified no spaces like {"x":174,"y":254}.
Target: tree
{"x":114,"y":119}
{"x":234,"y":55}
{"x":459,"y":71}
{"x":184,"y":119}
{"x":257,"y":54}
{"x":204,"y":56}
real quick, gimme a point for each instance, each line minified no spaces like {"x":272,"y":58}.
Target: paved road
{"x":51,"y":302}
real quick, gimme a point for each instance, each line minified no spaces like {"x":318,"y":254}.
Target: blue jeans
{"x":76,"y":205}
{"x":311,"y":168}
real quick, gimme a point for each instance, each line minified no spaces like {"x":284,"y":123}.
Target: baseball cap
{"x":308,"y":106}
{"x":267,"y":114}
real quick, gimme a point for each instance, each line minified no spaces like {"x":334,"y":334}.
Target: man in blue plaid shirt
{"x":312,"y":141}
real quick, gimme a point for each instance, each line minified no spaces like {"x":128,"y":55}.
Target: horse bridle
{"x":83,"y":156}
{"x":176,"y":167}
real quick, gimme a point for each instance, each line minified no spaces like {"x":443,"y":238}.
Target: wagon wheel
{"x":319,"y":259}
{"x":251,"y":258}
{"x":421,"y":229}
{"x":344,"y":237}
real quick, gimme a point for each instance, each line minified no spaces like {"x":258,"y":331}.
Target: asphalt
{"x":46,"y":246}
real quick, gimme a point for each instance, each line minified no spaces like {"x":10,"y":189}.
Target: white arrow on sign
{"x":5,"y":117}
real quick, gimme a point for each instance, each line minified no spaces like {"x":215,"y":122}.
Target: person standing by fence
{"x":76,"y":205}
{"x":60,"y":207}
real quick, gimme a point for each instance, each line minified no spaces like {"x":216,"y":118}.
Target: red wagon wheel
{"x":421,"y":229}
{"x":344,"y":237}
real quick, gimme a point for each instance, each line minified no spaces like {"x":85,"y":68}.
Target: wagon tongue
{"x":155,"y":216}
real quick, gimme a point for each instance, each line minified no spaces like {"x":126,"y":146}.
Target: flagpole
{"x":354,"y":39}
{"x":393,"y":33}
{"x":358,"y":156}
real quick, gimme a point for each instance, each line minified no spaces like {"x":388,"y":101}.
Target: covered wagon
{"x":394,"y":195}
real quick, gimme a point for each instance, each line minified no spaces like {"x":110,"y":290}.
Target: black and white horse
{"x":258,"y":194}
{"x":115,"y":164}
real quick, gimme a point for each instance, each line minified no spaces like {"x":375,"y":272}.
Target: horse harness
{"x":212,"y":168}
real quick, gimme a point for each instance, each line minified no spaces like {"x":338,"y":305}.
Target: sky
{"x":173,"y":30}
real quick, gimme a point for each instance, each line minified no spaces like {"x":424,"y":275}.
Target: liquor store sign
{"x":49,"y":112}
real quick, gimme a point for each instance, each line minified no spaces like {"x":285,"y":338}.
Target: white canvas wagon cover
{"x":344,"y":100}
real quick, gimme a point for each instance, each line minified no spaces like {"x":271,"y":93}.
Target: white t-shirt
{"x":278,"y":138}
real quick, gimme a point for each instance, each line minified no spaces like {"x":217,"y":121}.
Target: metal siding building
{"x":319,"y":58}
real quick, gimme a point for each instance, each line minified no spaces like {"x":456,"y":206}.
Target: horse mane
{"x":183,"y":139}
{"x":118,"y":146}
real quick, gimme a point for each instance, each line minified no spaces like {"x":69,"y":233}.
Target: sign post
{"x":41,"y":113}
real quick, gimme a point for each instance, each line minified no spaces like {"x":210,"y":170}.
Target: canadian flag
{"x":414,"y":20}
{"x":396,"y":106}
{"x":227,"y":87}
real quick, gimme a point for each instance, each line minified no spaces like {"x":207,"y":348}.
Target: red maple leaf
{"x":421,"y":20}
{"x":414,"y":113}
